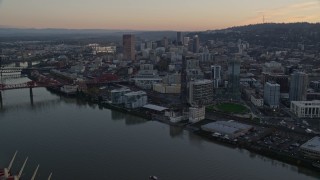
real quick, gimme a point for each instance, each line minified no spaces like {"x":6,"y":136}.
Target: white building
{"x":311,"y":148}
{"x":146,"y":77}
{"x":134,"y":100}
{"x":272,"y":67}
{"x":305,"y":109}
{"x":257,"y":100}
{"x":197,"y":114}
{"x":117,"y":95}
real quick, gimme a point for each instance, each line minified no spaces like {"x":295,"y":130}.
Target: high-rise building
{"x":129,"y":47}
{"x":179,"y":38}
{"x":282,"y":80}
{"x":193,"y":70}
{"x":271,"y":94}
{"x":200,"y":92}
{"x":186,"y":41}
{"x":196,"y":44}
{"x":165,"y":42}
{"x":234,"y":79}
{"x":298,"y":86}
{"x":216,"y":75}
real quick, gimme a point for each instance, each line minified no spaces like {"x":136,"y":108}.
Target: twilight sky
{"x":153,"y":14}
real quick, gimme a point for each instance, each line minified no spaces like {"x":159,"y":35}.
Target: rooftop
{"x":306,"y":103}
{"x":136,"y":93}
{"x":313,"y":144}
{"x":226,"y":127}
{"x":155,"y":107}
{"x":200,"y":82}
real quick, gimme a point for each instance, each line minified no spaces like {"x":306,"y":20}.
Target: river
{"x":77,"y":140}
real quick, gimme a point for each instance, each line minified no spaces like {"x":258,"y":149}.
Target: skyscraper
{"x":216,"y":75}
{"x":272,"y":94}
{"x":165,"y":42}
{"x":200,"y":92}
{"x":234,"y":79}
{"x":129,"y":47}
{"x":298,"y":86}
{"x":179,"y":38}
{"x":196,"y":44}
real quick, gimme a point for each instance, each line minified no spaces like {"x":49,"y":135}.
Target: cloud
{"x":298,"y":12}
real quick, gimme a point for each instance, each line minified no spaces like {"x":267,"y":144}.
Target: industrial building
{"x":311,"y":148}
{"x":231,"y":129}
{"x":306,"y":109}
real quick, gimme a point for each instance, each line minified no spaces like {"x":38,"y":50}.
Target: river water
{"x":77,"y":140}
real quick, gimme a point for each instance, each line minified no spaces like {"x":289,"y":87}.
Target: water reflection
{"x":176,"y":131}
{"x":116,"y":115}
{"x":110,"y":141}
{"x":37,"y":106}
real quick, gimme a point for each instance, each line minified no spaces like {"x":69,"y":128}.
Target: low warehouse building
{"x":231,"y":129}
{"x":311,"y":148}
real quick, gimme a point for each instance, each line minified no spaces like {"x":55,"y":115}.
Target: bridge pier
{"x":31,"y":96}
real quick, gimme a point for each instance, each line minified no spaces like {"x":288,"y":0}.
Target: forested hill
{"x":269,"y":34}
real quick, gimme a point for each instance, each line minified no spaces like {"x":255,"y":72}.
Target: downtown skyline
{"x":178,"y":15}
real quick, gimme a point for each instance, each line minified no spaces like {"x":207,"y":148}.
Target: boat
{"x":153,"y":177}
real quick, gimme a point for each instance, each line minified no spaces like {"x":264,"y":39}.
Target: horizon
{"x":154,"y":16}
{"x":155,"y":30}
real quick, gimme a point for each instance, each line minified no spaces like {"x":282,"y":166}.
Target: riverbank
{"x":268,"y":152}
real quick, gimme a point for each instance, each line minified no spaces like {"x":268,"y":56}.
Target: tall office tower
{"x":186,"y":41}
{"x":129,"y":47}
{"x":179,"y":38}
{"x":165,"y":42}
{"x":196,"y":44}
{"x":271,"y":94}
{"x":298,"y":86}
{"x":234,"y":79}
{"x":200,"y":92}
{"x":216,"y":75}
{"x":282,"y":80}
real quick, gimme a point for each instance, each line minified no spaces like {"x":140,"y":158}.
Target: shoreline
{"x":276,"y":155}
